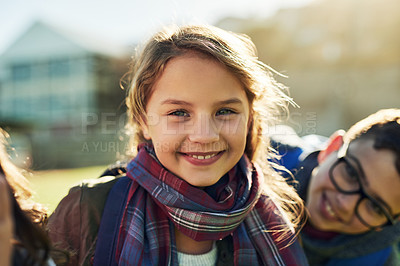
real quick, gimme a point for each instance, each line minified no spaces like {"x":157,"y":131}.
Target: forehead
{"x":192,"y":75}
{"x":383,"y":179}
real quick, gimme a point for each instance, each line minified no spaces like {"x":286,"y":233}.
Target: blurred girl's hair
{"x":31,"y":244}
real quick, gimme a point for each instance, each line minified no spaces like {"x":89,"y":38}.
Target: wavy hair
{"x":29,"y":216}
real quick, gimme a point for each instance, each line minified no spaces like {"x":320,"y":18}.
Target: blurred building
{"x":57,"y":92}
{"x":342,"y":59}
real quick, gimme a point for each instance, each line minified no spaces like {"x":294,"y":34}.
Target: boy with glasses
{"x":352,"y":191}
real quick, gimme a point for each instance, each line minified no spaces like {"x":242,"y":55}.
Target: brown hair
{"x":383,"y":127}
{"x":29,"y":216}
{"x":267,"y":98}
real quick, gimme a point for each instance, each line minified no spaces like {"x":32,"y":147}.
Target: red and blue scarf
{"x":158,"y":201}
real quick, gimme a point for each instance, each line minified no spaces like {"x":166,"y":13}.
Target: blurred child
{"x":22,"y":240}
{"x":6,"y":224}
{"x":199,"y":103}
{"x":351,"y":187}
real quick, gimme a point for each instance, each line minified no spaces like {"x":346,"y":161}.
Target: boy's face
{"x":197,"y":119}
{"x":331,"y":210}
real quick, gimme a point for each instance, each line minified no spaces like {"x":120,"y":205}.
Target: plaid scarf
{"x":158,"y":201}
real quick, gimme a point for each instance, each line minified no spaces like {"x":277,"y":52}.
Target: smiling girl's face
{"x":197,"y":119}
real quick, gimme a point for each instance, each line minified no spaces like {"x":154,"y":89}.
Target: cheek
{"x":321,"y":177}
{"x":318,"y":181}
{"x":235,"y":139}
{"x":235,"y":127}
{"x":166,"y":142}
{"x":160,"y":129}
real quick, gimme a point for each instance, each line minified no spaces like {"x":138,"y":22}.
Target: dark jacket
{"x":74,"y":225}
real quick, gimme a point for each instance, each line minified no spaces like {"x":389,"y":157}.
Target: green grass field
{"x":52,"y":185}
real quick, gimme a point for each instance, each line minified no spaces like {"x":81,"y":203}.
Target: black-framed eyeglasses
{"x":346,"y":175}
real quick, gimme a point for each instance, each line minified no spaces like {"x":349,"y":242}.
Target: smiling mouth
{"x":328,"y":210}
{"x":202,"y":158}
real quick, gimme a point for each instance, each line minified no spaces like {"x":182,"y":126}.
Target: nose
{"x":346,"y":204}
{"x":203,"y":130}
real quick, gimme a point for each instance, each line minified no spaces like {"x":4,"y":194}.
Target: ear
{"x":144,"y":128}
{"x":334,"y":143}
{"x":249,"y":124}
{"x":145,"y":131}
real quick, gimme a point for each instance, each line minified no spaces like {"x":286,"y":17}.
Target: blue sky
{"x":125,"y":21}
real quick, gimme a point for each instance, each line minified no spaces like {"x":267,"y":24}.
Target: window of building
{"x":21,"y":72}
{"x":59,"y":68}
{"x":22,"y":107}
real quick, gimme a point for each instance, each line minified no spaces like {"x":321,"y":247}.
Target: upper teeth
{"x":329,"y":209}
{"x":201,"y":157}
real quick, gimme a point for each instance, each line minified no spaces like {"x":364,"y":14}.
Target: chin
{"x":201,"y":184}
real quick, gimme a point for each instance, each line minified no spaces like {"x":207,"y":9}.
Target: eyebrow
{"x":230,"y":101}
{"x":181,"y":102}
{"x":176,"y":102}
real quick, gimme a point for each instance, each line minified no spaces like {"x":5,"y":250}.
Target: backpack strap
{"x":110,"y":221}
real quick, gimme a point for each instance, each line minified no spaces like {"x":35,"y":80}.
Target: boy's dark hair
{"x":383,"y":127}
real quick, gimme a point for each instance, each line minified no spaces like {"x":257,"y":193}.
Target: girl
{"x":199,"y":104}
{"x":22,"y":240}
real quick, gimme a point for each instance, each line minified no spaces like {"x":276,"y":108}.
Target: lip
{"x":202,"y":162}
{"x":327,"y":210}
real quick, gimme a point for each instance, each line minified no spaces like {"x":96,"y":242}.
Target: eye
{"x":350,"y":173}
{"x":179,"y":113}
{"x":375,"y":209}
{"x":225,"y":111}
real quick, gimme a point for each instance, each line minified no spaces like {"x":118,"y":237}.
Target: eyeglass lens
{"x":346,"y":179}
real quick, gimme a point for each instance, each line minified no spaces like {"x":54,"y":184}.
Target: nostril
{"x":204,"y":136}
